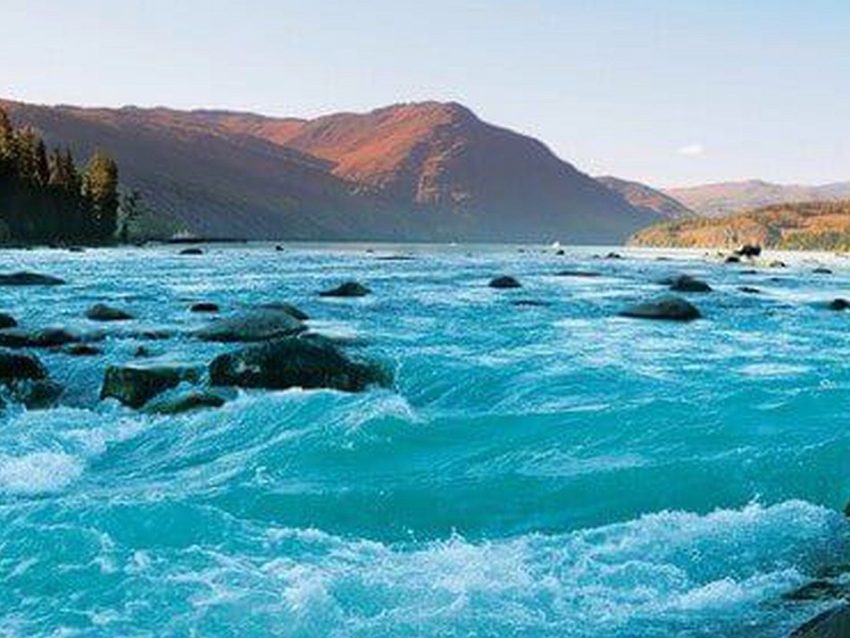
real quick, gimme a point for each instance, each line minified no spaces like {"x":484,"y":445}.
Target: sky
{"x":669,"y":92}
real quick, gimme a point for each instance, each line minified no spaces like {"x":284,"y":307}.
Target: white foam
{"x":38,"y":472}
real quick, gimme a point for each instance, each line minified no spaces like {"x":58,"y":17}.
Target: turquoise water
{"x":535,"y":471}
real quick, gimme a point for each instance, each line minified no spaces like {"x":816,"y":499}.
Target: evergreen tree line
{"x":44,"y":197}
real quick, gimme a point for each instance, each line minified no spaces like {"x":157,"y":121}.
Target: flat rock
{"x":505,"y":281}
{"x":29,"y":279}
{"x":103,"y":312}
{"x":135,"y":384}
{"x":253,"y":325}
{"x":43,"y":338}
{"x":193,"y":400}
{"x":348,"y":289}
{"x":191,"y":251}
{"x":293,"y":362}
{"x":665,"y":308}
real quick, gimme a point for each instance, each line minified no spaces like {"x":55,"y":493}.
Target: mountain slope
{"x":725,"y":198}
{"x":427,"y":171}
{"x":646,"y":198}
{"x":811,"y":226}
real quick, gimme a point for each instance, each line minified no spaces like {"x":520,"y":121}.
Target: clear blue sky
{"x":665,"y":91}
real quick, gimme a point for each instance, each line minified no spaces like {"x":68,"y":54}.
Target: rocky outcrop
{"x":103,"y":312}
{"x":348,"y":289}
{"x":135,"y":384}
{"x":29,"y":279}
{"x":41,"y":338}
{"x":204,"y":306}
{"x":24,"y":380}
{"x":253,"y":325}
{"x":504,"y":282}
{"x":294,"y":362}
{"x":7,"y":321}
{"x":665,"y":309}
{"x":187,"y":402}
{"x":686,"y":283}
{"x":833,"y":623}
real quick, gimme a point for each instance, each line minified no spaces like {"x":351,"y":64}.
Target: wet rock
{"x":560,"y":252}
{"x":578,"y":273}
{"x":686,"y":283}
{"x":749,"y":290}
{"x":193,"y":400}
{"x":833,"y":623}
{"x":44,"y":338}
{"x":7,"y":321}
{"x":838,"y":304}
{"x":534,"y":303}
{"x":822,"y":271}
{"x":665,"y":308}
{"x":20,"y":366}
{"x":37,"y":394}
{"x":29,"y":279}
{"x":255,"y":325}
{"x":396,"y":258}
{"x":749,"y":250}
{"x":613,"y":255}
{"x":279,"y":248}
{"x":81,"y":350}
{"x":135,"y":384}
{"x":76,"y":249}
{"x":348,"y":289}
{"x":778,"y":264}
{"x":24,"y":380}
{"x":152,"y":335}
{"x":503,"y":282}
{"x":733,"y":259}
{"x":288,"y":308}
{"x":204,"y":306}
{"x":819,"y":590}
{"x":294,"y":362}
{"x":191,"y":251}
{"x":141,"y":352}
{"x":102,"y":312}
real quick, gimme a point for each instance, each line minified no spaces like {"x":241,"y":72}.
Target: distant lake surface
{"x":540,"y":470}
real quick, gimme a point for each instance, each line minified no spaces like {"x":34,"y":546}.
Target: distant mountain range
{"x":648,"y":199}
{"x":717,"y":200}
{"x":427,"y":171}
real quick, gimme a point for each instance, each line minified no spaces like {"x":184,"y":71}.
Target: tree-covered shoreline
{"x":46,"y":198}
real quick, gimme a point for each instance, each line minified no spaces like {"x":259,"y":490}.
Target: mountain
{"x":717,"y":200}
{"x":428,"y":171}
{"x":806,"y":226}
{"x":646,"y":198}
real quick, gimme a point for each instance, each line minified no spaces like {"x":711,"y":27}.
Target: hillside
{"x":429,"y":171}
{"x":646,"y":198}
{"x":726,"y":198}
{"x":805,"y":226}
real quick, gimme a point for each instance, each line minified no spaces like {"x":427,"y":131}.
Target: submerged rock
{"x":686,"y":283}
{"x":7,"y":321}
{"x":822,"y":271}
{"x":81,"y":350}
{"x":749,"y":290}
{"x":348,"y":289}
{"x":193,"y":400}
{"x":102,"y":312}
{"x":838,"y":304}
{"x":666,"y":308}
{"x":534,"y":303}
{"x":293,"y":362}
{"x":578,"y":273}
{"x":505,"y":281}
{"x":819,"y":590}
{"x":135,"y":384}
{"x":43,"y":338}
{"x":613,"y":255}
{"x":204,"y":306}
{"x":191,"y":251}
{"x":288,"y":308}
{"x":254,"y":325}
{"x":29,"y":279}
{"x":833,"y":623}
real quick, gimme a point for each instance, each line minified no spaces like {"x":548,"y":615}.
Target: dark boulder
{"x":142,"y":352}
{"x":7,"y":321}
{"x":43,"y":338}
{"x":81,"y":350}
{"x":666,"y":308}
{"x":533,"y":303}
{"x":348,"y":289}
{"x":191,"y":251}
{"x":505,"y":281}
{"x":833,"y":623}
{"x":192,"y":400}
{"x":204,"y":306}
{"x":29,"y":279}
{"x":819,"y":590}
{"x":749,"y":290}
{"x":102,"y":312}
{"x":838,"y":304}
{"x":822,"y":271}
{"x":749,"y":250}
{"x":135,"y":384}
{"x":778,"y":264}
{"x":20,"y":366}
{"x":293,"y":362}
{"x":24,"y":380}
{"x":733,"y":259}
{"x":686,"y":283}
{"x":288,"y":308}
{"x":613,"y":255}
{"x":253,"y":325}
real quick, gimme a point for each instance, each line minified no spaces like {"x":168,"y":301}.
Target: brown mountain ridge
{"x":427,"y":171}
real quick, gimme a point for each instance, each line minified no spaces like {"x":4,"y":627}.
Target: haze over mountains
{"x":428,"y":172}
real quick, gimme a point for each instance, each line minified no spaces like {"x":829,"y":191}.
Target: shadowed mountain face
{"x":717,"y":200}
{"x":429,"y":172}
{"x":647,"y":198}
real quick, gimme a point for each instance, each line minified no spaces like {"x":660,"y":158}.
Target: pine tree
{"x":100,"y":188}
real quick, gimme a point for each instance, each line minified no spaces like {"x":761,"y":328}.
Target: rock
{"x":152,"y":335}
{"x":749,"y":290}
{"x":193,"y":400}
{"x":204,"y":306}
{"x":833,"y":623}
{"x":348,"y":289}
{"x":81,"y":350}
{"x":777,"y":264}
{"x":686,"y":283}
{"x":135,"y":384}
{"x":819,"y":590}
{"x":37,"y":394}
{"x":29,"y":279}
{"x":822,"y":271}
{"x":191,"y":251}
{"x":102,"y":312}
{"x":749,"y":250}
{"x":666,"y":308}
{"x":839,"y":304}
{"x":560,"y":252}
{"x":76,"y":249}
{"x":288,"y":308}
{"x":7,"y":321}
{"x":733,"y":259}
{"x":503,"y":282}
{"x":578,"y":273}
{"x":535,"y":303}
{"x":396,"y":258}
{"x":613,"y":255}
{"x":279,"y":248}
{"x":141,"y":352}
{"x":254,"y":325}
{"x":20,"y":366}
{"x":293,"y":362}
{"x":44,"y":338}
